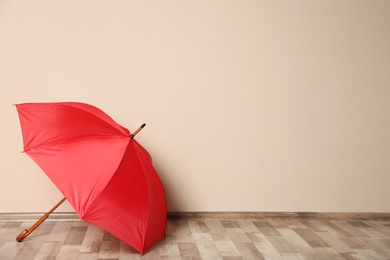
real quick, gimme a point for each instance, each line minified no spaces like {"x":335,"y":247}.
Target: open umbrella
{"x":105,"y":174}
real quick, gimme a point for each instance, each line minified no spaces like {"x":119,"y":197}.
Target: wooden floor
{"x":206,"y":239}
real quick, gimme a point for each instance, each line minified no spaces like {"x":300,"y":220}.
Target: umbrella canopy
{"x":106,"y":175}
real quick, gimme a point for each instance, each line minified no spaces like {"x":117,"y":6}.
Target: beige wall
{"x":249,"y":105}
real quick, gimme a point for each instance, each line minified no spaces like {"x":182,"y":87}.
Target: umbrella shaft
{"x":56,"y":206}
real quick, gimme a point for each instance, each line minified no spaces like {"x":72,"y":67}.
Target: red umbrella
{"x":105,"y":174}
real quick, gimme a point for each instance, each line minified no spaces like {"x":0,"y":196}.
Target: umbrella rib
{"x":147,"y":181}
{"x":57,"y":141}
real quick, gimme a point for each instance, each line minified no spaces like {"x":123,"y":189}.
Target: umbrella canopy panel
{"x":50,"y":122}
{"x":141,"y":202}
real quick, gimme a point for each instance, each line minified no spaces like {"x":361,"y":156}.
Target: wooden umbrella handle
{"x":27,"y":232}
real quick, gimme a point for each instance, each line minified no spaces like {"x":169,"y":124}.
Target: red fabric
{"x":107,"y":177}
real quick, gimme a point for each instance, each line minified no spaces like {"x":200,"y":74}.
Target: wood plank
{"x":311,"y":238}
{"x":266,"y":228}
{"x":10,"y":250}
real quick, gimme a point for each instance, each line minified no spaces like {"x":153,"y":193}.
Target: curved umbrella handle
{"x":27,"y":232}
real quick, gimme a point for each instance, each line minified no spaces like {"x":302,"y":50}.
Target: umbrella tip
{"x":136,"y":132}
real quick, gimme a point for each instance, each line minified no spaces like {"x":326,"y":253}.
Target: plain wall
{"x":249,"y":105}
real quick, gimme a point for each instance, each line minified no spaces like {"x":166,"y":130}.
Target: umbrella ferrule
{"x":136,"y":131}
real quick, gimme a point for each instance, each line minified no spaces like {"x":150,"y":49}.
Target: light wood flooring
{"x":206,"y":239}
